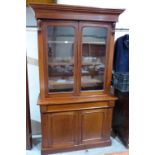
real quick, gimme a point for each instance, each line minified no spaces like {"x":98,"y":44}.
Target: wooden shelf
{"x":91,"y":64}
{"x":60,"y":63}
{"x":94,"y":43}
{"x":69,"y":83}
{"x":71,"y":74}
{"x":60,"y":74}
{"x":60,"y":42}
{"x":90,"y":81}
{"x":71,"y":63}
{"x":71,"y":42}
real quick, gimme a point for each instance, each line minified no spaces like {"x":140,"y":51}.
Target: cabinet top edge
{"x":75,"y":8}
{"x":74,"y":99}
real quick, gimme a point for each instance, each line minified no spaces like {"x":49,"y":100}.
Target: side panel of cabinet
{"x":62,"y":130}
{"x":95,"y":125}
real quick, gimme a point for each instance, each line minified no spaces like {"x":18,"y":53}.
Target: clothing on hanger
{"x":121,"y":64}
{"x":121,"y":55}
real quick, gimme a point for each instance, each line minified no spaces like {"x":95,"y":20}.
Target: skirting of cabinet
{"x":46,"y":151}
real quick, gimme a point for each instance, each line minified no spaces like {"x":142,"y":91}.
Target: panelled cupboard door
{"x":95,"y":125}
{"x":62,"y":128}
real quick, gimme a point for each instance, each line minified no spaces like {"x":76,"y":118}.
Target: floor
{"x":116,"y":146}
{"x":119,"y":153}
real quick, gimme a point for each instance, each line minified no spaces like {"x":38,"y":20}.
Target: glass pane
{"x":93,"y":58}
{"x":60,"y":58}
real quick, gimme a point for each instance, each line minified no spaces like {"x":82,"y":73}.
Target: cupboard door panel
{"x":62,"y":129}
{"x":94,"y":125}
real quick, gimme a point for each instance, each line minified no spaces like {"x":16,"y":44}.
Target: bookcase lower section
{"x":75,"y":126}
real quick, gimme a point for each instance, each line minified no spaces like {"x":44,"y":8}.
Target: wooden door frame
{"x":107,"y":25}
{"x":44,"y":51}
{"x":43,"y":55}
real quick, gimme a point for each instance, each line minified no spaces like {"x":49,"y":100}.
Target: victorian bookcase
{"x":75,"y":65}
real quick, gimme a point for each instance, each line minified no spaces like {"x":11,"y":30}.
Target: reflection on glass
{"x":60,"y":58}
{"x":93,"y":58}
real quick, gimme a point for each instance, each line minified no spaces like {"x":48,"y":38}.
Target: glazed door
{"x":93,"y":47}
{"x":61,"y":45}
{"x":76,"y":56}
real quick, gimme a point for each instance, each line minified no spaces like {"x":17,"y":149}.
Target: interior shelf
{"x":60,"y":42}
{"x":60,"y":63}
{"x":66,"y":83}
{"x":70,"y":63}
{"x":71,"y":42}
{"x":71,"y":74}
{"x":95,"y":43}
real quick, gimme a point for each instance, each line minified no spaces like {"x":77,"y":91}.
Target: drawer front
{"x":76,"y":106}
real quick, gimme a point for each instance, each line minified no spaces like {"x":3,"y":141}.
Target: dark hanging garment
{"x":121,"y":55}
{"x":121,"y":64}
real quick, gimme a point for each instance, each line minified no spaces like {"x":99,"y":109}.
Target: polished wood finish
{"x":68,"y":12}
{"x":40,"y":1}
{"x":76,"y":99}
{"x":62,"y":124}
{"x":97,"y":132}
{"x":79,"y":119}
